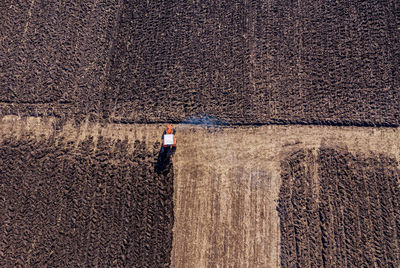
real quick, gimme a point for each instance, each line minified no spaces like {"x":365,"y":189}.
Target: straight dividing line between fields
{"x":272,"y":123}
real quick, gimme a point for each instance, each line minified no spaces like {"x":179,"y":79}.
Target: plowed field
{"x":86,"y":85}
{"x":83,"y":203}
{"x":244,"y":62}
{"x":339,"y":210}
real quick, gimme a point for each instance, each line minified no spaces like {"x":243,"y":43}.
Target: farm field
{"x":339,"y":209}
{"x":244,"y":62}
{"x":287,"y":196}
{"x":234,"y":196}
{"x":81,"y":200}
{"x":287,"y":117}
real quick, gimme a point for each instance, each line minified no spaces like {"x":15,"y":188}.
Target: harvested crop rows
{"x":339,"y":210}
{"x":92,"y":205}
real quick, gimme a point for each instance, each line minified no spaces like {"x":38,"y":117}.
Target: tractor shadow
{"x":164,"y":159}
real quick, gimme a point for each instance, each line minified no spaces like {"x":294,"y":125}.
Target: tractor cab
{"x":168,"y":137}
{"x":169,"y":140}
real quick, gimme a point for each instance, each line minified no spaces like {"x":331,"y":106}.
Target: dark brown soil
{"x":62,"y":206}
{"x":54,"y":56}
{"x":246,"y":62}
{"x":339,"y":210}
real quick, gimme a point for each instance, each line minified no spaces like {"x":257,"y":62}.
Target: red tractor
{"x":168,"y":148}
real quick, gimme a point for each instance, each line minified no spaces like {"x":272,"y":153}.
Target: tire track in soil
{"x":67,"y":206}
{"x":358,"y":222}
